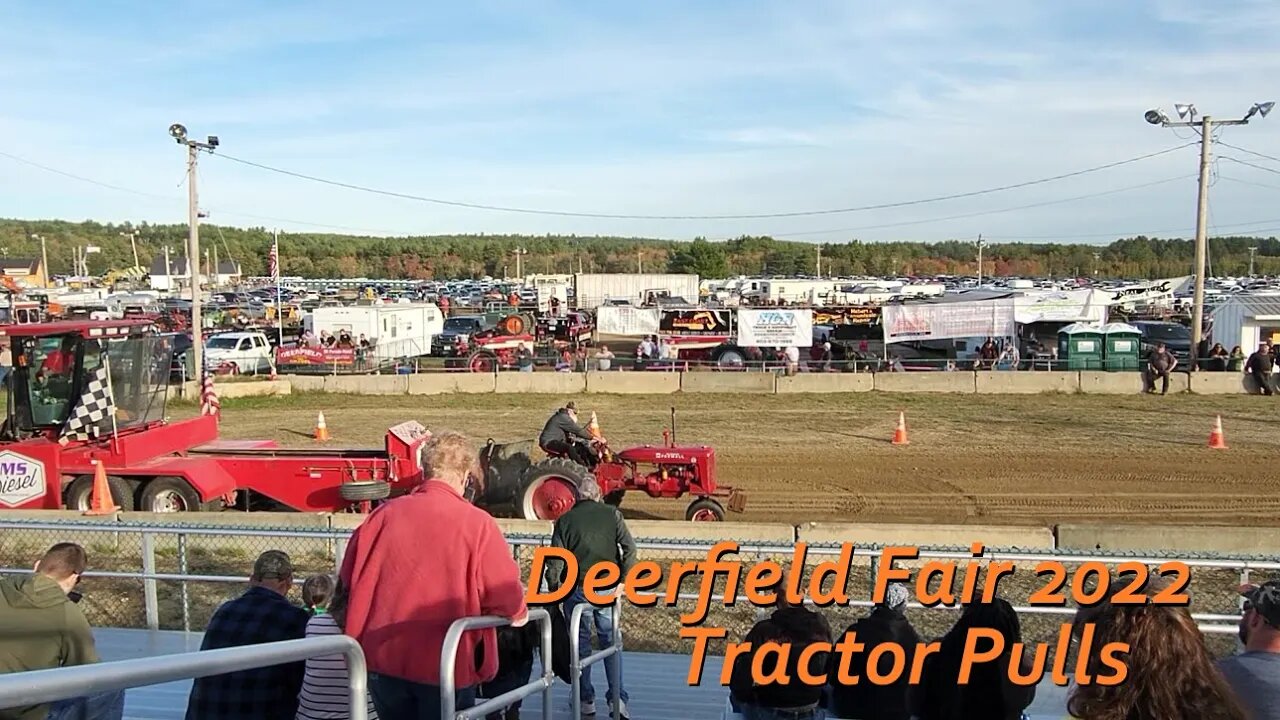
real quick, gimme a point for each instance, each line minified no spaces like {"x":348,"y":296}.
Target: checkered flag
{"x":94,"y":408}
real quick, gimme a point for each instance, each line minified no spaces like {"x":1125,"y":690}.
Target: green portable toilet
{"x":1121,"y":346}
{"x":1080,"y":346}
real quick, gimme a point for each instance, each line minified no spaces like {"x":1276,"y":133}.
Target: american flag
{"x":209,"y":404}
{"x":273,"y":261}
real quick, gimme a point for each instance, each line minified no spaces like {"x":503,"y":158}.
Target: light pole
{"x":1252,"y":252}
{"x":981,"y":246}
{"x":179,"y":133}
{"x":1205,"y":127}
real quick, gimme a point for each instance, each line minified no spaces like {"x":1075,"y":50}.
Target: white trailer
{"x":593,"y":290}
{"x":397,"y":330}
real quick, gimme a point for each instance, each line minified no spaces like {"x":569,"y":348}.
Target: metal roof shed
{"x":1246,"y":320}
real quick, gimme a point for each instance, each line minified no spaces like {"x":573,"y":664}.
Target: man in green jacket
{"x":42,"y":627}
{"x":594,"y":532}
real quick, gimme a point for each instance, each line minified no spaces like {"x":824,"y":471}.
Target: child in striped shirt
{"x":325,"y":691}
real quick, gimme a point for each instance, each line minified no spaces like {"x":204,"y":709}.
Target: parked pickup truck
{"x":238,"y":352}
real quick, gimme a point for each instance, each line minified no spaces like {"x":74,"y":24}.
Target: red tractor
{"x":546,"y":489}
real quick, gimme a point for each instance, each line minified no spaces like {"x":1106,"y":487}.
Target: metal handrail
{"x":449,"y":660}
{"x":577,"y":665}
{"x":43,"y":686}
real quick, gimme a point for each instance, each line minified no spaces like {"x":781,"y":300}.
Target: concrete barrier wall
{"x":936,"y":382}
{"x":1026,"y":383}
{"x":1223,"y":383}
{"x":825,"y":383}
{"x":633,"y":383}
{"x":727,"y":382}
{"x":1224,"y":540}
{"x":552,"y":383}
{"x":664,"y":383}
{"x":442,"y":383}
{"x":1021,"y":537}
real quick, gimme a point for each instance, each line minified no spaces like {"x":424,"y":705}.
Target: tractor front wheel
{"x":549,"y":489}
{"x":704,"y":510}
{"x":482,"y":362}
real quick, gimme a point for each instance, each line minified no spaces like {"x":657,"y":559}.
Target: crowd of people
{"x":423,"y":560}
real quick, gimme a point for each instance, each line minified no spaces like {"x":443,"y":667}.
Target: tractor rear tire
{"x":548,"y":489}
{"x":482,"y":361}
{"x":362,"y":491}
{"x":169,"y":495}
{"x":79,"y":494}
{"x":704,"y":510}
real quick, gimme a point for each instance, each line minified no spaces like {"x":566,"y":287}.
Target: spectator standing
{"x":42,"y":627}
{"x":796,"y":626}
{"x":402,"y":603}
{"x":604,"y":358}
{"x":316,"y":593}
{"x":1254,"y":675}
{"x":524,"y":358}
{"x":1218,"y":358}
{"x":989,"y":694}
{"x":1170,"y":672}
{"x":1260,"y":366}
{"x":594,"y":532}
{"x":887,"y":623}
{"x":791,"y":356}
{"x":1160,"y":362}
{"x":262,"y":614}
{"x":1235,"y":361}
{"x":325,"y":693}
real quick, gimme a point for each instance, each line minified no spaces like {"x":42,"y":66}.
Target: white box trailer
{"x":397,"y":329}
{"x":592,"y":290}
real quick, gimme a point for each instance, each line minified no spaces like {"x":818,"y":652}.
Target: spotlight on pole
{"x":1156,"y":117}
{"x":1185,"y":109}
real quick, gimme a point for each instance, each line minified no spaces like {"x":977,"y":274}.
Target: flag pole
{"x":279,"y":315}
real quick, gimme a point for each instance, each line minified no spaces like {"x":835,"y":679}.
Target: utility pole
{"x":1252,"y":252}
{"x":819,"y":262}
{"x":133,"y":243}
{"x":179,"y":134}
{"x":1205,"y":127}
{"x":519,"y":253}
{"x":1096,"y":258}
{"x":639,"y":261}
{"x":981,"y":245}
{"x":44,"y":258}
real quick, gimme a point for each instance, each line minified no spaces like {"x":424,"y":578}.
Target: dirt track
{"x":972,"y":459}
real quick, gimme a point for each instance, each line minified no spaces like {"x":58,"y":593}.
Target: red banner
{"x":315,"y":356}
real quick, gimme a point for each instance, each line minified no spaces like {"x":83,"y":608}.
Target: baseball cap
{"x":1265,"y":599}
{"x":273,"y":565}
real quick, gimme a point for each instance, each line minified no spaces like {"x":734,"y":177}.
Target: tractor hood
{"x":668,"y":455}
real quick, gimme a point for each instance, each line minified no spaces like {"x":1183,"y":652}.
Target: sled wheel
{"x":79,"y":493}
{"x":704,"y":510}
{"x":168,"y":495}
{"x":361,"y":491}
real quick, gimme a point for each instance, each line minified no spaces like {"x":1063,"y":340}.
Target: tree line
{"x":472,"y":256}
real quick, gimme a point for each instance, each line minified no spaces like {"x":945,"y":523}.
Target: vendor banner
{"x":1149,"y":291}
{"x":934,"y":321}
{"x":627,"y":320}
{"x":1061,"y":306}
{"x":303,"y":355}
{"x":775,"y":328}
{"x":852,"y":315}
{"x":689,"y":321}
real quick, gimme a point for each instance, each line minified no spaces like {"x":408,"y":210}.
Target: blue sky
{"x":656,"y":108}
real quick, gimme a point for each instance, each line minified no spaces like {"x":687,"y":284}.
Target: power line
{"x":985,"y":212}
{"x":1249,"y":164}
{"x":175,"y":199}
{"x":1148,"y":233}
{"x":1251,"y":152}
{"x":1250,"y":182}
{"x":613,"y":216}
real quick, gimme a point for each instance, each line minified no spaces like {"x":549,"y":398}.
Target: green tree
{"x":701,"y":258}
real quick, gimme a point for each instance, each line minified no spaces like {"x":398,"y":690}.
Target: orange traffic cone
{"x":100,"y":501}
{"x":1217,"y":440}
{"x":322,"y":431}
{"x":900,"y":434}
{"x":593,"y":426}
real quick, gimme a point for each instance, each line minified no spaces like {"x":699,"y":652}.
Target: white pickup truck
{"x":247,"y":352}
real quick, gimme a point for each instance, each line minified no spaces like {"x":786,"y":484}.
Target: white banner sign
{"x":933,"y":321}
{"x":627,"y":321}
{"x":778,"y":328}
{"x":1148,"y":291}
{"x":1061,"y":306}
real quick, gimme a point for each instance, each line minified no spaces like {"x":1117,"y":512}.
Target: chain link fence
{"x":173,"y":577}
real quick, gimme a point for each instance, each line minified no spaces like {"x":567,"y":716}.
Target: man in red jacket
{"x":417,"y":564}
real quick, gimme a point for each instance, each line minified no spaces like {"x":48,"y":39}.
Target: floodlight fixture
{"x":178,"y":131}
{"x":1260,"y":109}
{"x":1185,"y":109}
{"x":1156,"y":117}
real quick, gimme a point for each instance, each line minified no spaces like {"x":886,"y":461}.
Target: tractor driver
{"x":562,"y":435}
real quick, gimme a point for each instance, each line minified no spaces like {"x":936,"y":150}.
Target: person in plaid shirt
{"x":262,"y":614}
